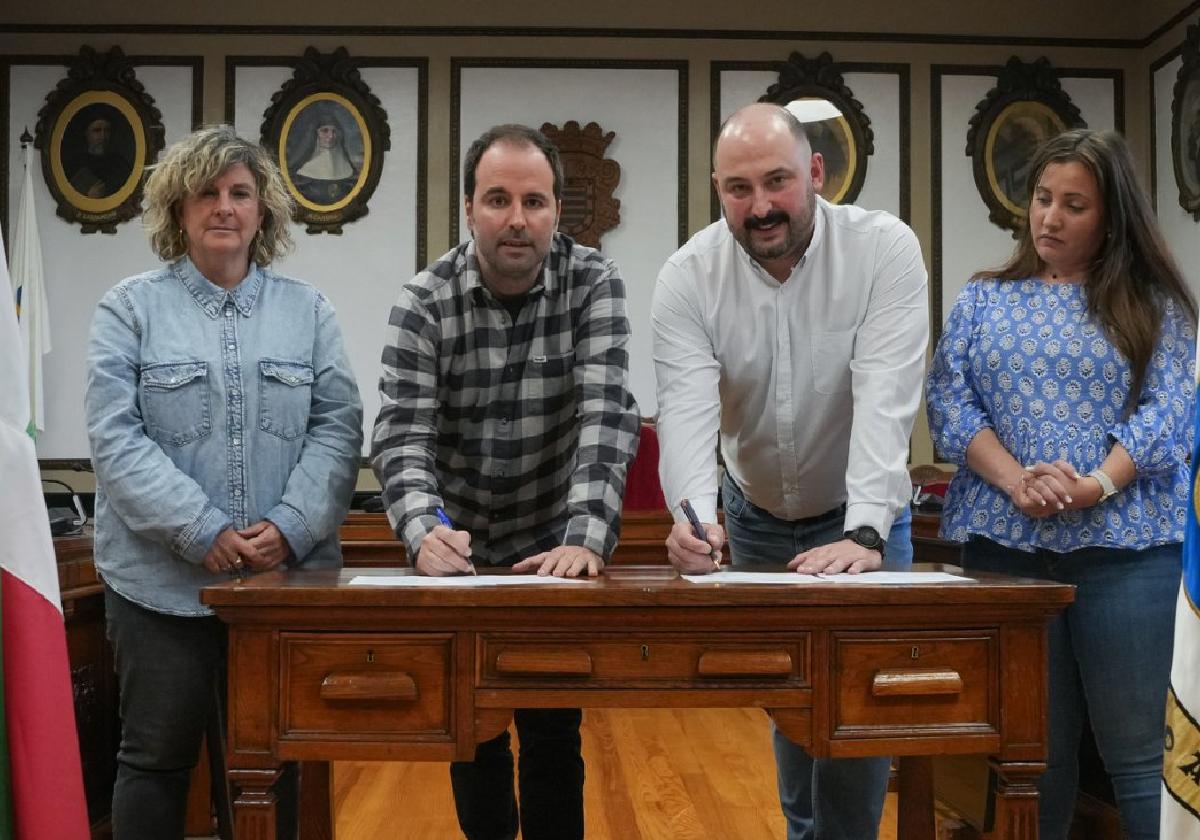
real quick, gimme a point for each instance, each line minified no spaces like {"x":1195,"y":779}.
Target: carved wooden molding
{"x":589,"y":209}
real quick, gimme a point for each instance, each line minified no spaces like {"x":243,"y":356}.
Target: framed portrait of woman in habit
{"x":329,"y":134}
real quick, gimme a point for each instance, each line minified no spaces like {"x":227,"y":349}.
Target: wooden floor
{"x":688,"y":774}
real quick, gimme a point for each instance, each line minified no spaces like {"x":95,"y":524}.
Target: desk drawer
{"x":887,"y":683}
{"x":650,"y":659}
{"x":378,"y":686}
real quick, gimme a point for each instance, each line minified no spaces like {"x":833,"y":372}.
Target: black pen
{"x":445,"y":520}
{"x":699,"y":533}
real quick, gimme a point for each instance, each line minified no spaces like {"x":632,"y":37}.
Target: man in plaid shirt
{"x":506,"y":404}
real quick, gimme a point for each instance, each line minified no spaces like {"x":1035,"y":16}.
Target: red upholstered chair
{"x":642,"y":490}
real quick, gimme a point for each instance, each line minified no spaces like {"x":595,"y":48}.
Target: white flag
{"x":30,"y":289}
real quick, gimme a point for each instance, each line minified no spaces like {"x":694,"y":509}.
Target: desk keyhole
{"x":371,"y":655}
{"x":916,"y":652}
{"x":645,"y":653}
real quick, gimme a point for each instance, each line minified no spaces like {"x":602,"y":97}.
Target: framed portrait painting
{"x":1185,"y":125}
{"x":97,"y":133}
{"x":837,"y":126}
{"x":329,"y":133}
{"x":1026,"y":107}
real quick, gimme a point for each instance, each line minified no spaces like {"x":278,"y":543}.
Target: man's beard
{"x":799,"y":231}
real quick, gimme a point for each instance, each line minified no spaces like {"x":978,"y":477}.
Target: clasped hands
{"x":260,"y":547}
{"x":445,"y":551}
{"x":693,"y":556}
{"x":1046,"y":489}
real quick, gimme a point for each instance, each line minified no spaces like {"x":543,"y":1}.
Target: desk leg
{"x":254,"y":816}
{"x":915,"y":795}
{"x":1016,"y":816}
{"x":316,"y":793}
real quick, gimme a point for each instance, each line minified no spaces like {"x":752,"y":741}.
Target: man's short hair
{"x":517,"y":135}
{"x":794,"y":125}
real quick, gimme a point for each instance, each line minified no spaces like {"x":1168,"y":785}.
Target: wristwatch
{"x":867,"y":537}
{"x":1107,"y":488}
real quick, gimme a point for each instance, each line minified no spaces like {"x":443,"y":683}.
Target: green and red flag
{"x":42,"y":781}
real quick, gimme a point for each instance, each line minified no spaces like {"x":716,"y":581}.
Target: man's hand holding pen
{"x":690,"y":554}
{"x":445,"y":551}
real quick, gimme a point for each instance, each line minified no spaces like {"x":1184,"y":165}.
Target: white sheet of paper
{"x":875,"y":578}
{"x":460,"y":581}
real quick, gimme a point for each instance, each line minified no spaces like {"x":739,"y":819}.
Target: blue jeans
{"x":821,"y":798}
{"x":550,"y":774}
{"x":169,"y":669}
{"x":1110,"y":654}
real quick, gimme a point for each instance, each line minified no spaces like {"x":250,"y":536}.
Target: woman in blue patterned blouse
{"x":1063,"y":387}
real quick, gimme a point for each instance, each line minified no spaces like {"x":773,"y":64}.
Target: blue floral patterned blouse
{"x":1025,"y":358}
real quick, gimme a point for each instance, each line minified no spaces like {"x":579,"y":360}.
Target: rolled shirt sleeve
{"x":956,"y":412}
{"x":886,"y":370}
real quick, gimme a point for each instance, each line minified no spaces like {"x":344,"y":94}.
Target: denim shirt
{"x":209,"y":409}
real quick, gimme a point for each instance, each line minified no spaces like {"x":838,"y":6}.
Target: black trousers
{"x":168,"y":668}
{"x":550,"y":777}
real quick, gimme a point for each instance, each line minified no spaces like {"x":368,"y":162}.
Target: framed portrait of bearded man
{"x":98,"y":131}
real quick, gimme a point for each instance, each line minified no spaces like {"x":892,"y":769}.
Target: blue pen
{"x":698,"y":531}
{"x":445,"y":520}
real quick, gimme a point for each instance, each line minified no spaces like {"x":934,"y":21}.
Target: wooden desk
{"x":321,"y":671}
{"x":367,"y":540}
{"x":92,"y":679}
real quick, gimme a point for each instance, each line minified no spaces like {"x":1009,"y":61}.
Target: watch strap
{"x":856,"y":535}
{"x":1107,"y":488}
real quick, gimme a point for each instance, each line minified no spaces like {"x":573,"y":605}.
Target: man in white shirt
{"x":798,"y":330}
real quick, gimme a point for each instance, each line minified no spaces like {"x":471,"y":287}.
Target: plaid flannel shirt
{"x":522,"y":431}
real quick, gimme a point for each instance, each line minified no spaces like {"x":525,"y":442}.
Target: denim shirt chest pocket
{"x":285,"y":395}
{"x":176,"y":402}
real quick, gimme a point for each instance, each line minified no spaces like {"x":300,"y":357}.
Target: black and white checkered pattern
{"x":522,"y":431}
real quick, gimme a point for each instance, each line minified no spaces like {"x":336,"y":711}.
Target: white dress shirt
{"x":813,"y":383}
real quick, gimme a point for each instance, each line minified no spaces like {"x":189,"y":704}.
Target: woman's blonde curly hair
{"x":195,"y":162}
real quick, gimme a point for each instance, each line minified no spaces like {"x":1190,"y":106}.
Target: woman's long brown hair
{"x":1133,"y":271}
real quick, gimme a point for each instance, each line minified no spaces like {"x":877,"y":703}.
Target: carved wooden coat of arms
{"x":588,"y":208}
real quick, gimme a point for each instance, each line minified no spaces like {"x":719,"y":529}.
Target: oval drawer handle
{"x":368,"y":685}
{"x":916,"y":681}
{"x":544,"y":663}
{"x":745,"y":663}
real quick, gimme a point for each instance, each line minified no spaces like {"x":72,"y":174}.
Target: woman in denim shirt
{"x":1063,"y":387}
{"x":226,"y":431}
